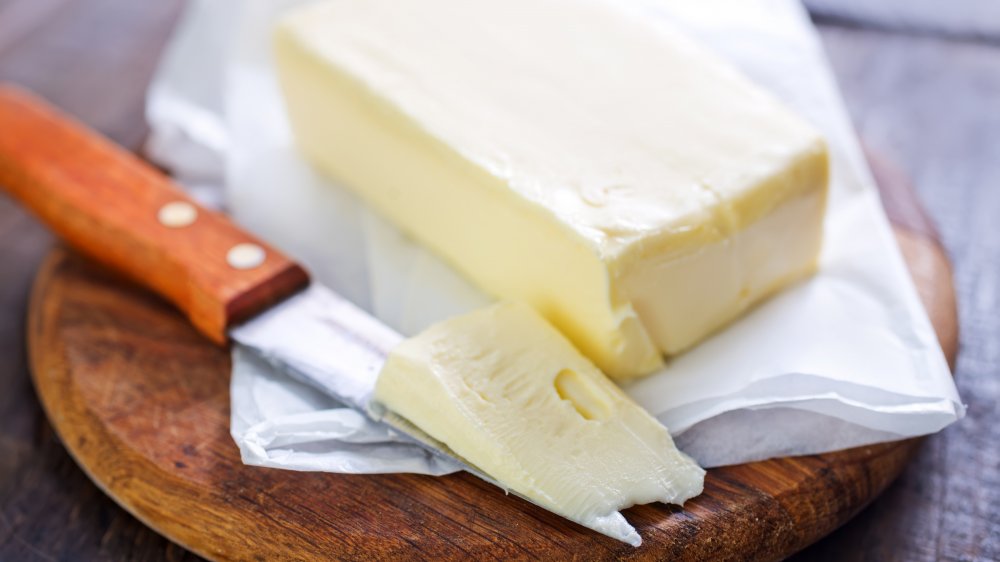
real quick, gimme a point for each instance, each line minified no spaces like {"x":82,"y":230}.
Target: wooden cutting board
{"x":141,"y":401}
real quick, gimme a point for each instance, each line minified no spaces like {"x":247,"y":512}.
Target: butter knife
{"x":121,"y":212}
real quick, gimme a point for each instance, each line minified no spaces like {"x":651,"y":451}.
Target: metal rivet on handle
{"x":177,"y":214}
{"x":245,"y":256}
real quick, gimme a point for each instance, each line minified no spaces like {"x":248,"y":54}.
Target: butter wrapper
{"x":844,"y":359}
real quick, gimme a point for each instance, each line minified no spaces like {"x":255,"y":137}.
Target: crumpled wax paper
{"x":844,"y":359}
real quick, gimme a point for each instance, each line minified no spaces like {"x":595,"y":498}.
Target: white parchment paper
{"x":844,"y":359}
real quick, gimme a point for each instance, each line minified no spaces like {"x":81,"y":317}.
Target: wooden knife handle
{"x":123,"y":213}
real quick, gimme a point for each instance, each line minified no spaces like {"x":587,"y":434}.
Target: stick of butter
{"x":506,"y":391}
{"x":634,"y":189}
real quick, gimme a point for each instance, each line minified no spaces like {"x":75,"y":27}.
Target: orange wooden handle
{"x":118,"y":210}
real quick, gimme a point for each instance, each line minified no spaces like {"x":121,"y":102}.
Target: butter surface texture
{"x":634,"y":189}
{"x":508,"y":392}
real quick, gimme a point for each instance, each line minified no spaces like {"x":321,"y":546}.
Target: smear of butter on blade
{"x":506,"y":391}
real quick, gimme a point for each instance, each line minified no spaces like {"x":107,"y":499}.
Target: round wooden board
{"x":142,"y":403}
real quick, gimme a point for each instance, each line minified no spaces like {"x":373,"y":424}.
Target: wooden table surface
{"x":923,"y":91}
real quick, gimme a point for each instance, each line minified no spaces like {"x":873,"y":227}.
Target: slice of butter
{"x":634,"y":189}
{"x":506,"y":391}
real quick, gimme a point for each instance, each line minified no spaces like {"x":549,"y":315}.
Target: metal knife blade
{"x":323,"y":340}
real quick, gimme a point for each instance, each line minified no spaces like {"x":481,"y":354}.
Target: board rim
{"x":92,"y":445}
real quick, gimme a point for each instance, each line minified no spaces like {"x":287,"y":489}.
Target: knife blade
{"x":121,"y":212}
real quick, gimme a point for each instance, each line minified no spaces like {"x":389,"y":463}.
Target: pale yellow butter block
{"x":633,"y":188}
{"x":506,"y":391}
